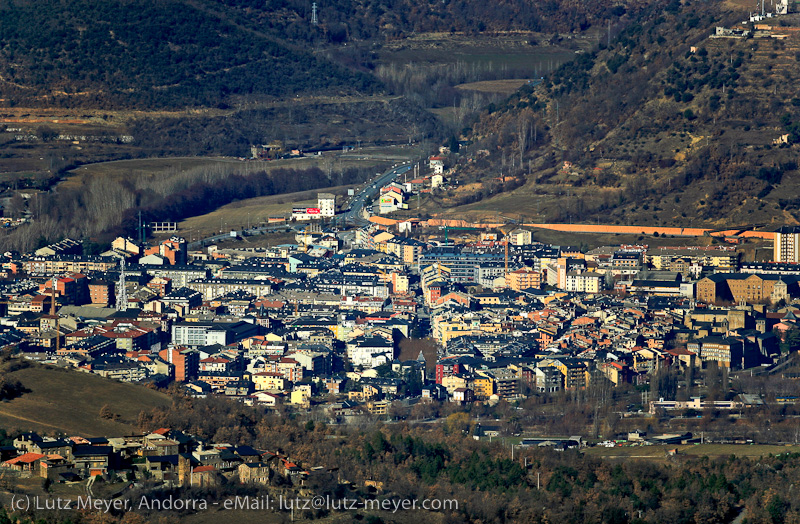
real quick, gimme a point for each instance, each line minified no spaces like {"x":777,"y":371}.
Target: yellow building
{"x":454,"y":382}
{"x":378,"y":407}
{"x":268,"y":381}
{"x":482,"y":387}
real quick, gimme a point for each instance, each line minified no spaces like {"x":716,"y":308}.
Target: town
{"x":364,"y":313}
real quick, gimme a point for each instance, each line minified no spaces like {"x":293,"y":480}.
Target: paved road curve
{"x":370,"y":191}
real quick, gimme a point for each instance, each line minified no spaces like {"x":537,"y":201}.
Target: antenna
{"x":314,"y":20}
{"x":122,"y":299}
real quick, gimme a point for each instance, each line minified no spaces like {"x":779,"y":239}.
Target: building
{"x":370,"y":352}
{"x":786,"y":247}
{"x":548,"y":379}
{"x":174,"y":250}
{"x":725,"y":351}
{"x":101,"y":292}
{"x":392,"y":201}
{"x":408,"y":250}
{"x":520,"y":237}
{"x":743,"y":288}
{"x":584,"y":282}
{"x":524,"y":278}
{"x":326,"y":202}
{"x":207,"y":333}
{"x":186,"y":362}
{"x":211,"y":288}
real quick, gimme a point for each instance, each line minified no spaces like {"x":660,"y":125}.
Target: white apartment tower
{"x":787,"y":244}
{"x":327,"y":204}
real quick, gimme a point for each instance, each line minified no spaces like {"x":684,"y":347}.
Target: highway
{"x":353,"y":215}
{"x":368,"y":193}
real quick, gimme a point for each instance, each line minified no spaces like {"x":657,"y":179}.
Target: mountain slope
{"x":664,"y":126}
{"x":164,"y":53}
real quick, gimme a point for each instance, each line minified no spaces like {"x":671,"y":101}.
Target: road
{"x":353,"y":215}
{"x":370,"y":191}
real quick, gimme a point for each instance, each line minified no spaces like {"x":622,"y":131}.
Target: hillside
{"x":664,"y":126}
{"x":66,"y":401}
{"x":169,"y":53}
{"x":187,"y":53}
{"x":354,"y":20}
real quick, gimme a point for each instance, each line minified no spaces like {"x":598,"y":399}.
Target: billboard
{"x":306,"y":211}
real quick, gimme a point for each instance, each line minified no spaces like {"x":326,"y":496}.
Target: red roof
{"x":27,"y":458}
{"x":201,"y":469}
{"x":215,"y":360}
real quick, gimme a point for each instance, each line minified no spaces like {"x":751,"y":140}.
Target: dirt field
{"x":694,"y":450}
{"x":253,"y":211}
{"x":504,"y":87}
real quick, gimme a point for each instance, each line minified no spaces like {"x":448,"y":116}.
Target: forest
{"x":537,"y":485}
{"x":149,"y":55}
{"x":342,"y":21}
{"x":173,"y":53}
{"x":104,"y":207}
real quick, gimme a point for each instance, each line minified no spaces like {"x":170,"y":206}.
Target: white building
{"x":326,"y":208}
{"x":584,"y":282}
{"x":520,"y":237}
{"x":326,"y":202}
{"x":370,"y":352}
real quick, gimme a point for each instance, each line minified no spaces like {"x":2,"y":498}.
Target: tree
{"x":105,"y":412}
{"x":791,"y":341}
{"x":457,"y":423}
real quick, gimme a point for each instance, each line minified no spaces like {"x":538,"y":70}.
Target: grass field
{"x":694,"y":450}
{"x":67,"y":401}
{"x":255,"y":211}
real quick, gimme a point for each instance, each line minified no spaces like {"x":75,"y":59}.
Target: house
{"x":462,"y":395}
{"x":27,"y":464}
{"x":204,"y":477}
{"x":255,"y":473}
{"x":263,"y":398}
{"x":94,"y":460}
{"x":436,"y":163}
